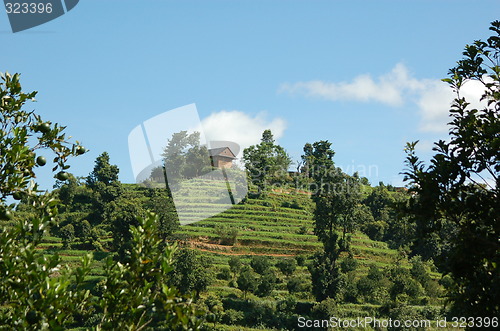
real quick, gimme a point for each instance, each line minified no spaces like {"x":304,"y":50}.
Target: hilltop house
{"x":221,"y":157}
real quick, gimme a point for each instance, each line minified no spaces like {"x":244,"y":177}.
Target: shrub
{"x":235,"y":265}
{"x":232,"y":317}
{"x":348,"y":264}
{"x":301,"y":260}
{"x":260,"y":264}
{"x":67,"y":234}
{"x":296,"y":284}
{"x":247,"y":282}
{"x":227,"y":235}
{"x":267,"y":284}
{"x":303,"y":230}
{"x":287,"y":266}
{"x":224,"y":274}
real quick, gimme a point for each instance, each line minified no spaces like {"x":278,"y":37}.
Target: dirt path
{"x":226,"y":250}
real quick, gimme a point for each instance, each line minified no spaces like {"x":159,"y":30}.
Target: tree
{"x":184,"y":157}
{"x":23,"y":134}
{"x":337,"y":207}
{"x":162,"y":204}
{"x":189,"y":273}
{"x":338,"y":202}
{"x":136,"y":294}
{"x":247,"y":282}
{"x":266,"y":163}
{"x":267,"y":283}
{"x":35,"y":292}
{"x":67,"y":234}
{"x":328,"y":281}
{"x":287,"y":266}
{"x":235,"y":265}
{"x":103,"y":180}
{"x":103,"y":172}
{"x":260,"y":264}
{"x":459,"y":191}
{"x":318,"y":160}
{"x":123,"y":214}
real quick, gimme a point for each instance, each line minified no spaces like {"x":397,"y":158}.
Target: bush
{"x":267,"y":284}
{"x":67,"y":234}
{"x":227,"y":235}
{"x":296,"y":284}
{"x":235,"y":265}
{"x":260,"y":264}
{"x":303,"y":230}
{"x":287,"y":266}
{"x":224,"y":274}
{"x":348,"y":264}
{"x":232,"y":317}
{"x":301,"y":260}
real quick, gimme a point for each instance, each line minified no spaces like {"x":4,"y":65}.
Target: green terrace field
{"x":276,"y":224}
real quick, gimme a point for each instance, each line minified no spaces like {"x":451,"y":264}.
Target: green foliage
{"x":161,"y":204}
{"x":301,"y":260}
{"x":297,"y":284}
{"x":190,"y":273}
{"x":318,"y":161}
{"x":67,"y":233}
{"x":23,"y":134}
{"x":404,"y":287}
{"x":348,"y":264}
{"x":235,"y":265}
{"x":232,"y":317}
{"x":227,"y":235}
{"x":35,"y":291}
{"x":337,"y":197}
{"x":124,"y":214}
{"x":328,"y":281}
{"x":267,"y":284}
{"x":184,"y":157}
{"x":103,"y":180}
{"x":38,"y":292}
{"x":287,"y":266}
{"x":224,"y":274}
{"x":267,"y":163}
{"x":260,"y":264}
{"x":373,"y":287}
{"x":247,"y":281}
{"x":136,"y":294}
{"x":456,"y":198}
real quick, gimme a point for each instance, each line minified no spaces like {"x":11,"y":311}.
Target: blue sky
{"x":361,"y":74}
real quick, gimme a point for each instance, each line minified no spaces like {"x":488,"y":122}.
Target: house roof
{"x":221,"y":151}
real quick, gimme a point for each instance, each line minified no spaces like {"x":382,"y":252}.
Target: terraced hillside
{"x":278,"y":224}
{"x":274,"y":224}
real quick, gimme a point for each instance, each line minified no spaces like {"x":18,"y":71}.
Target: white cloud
{"x":238,"y":127}
{"x":387,"y":89}
{"x":396,"y":88}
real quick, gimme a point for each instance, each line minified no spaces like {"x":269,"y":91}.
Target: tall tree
{"x":318,"y":160}
{"x":266,"y":163}
{"x":184,"y":157}
{"x":458,"y":194}
{"x":106,"y":188}
{"x":190,"y":273}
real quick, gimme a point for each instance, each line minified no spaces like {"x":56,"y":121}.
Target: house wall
{"x":222,"y":162}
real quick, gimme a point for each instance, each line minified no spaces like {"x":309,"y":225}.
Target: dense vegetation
{"x":314,"y":244}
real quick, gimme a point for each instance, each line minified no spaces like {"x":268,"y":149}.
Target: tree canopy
{"x":456,"y":198}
